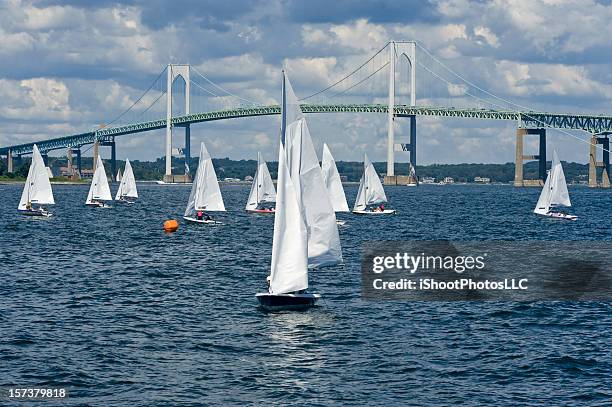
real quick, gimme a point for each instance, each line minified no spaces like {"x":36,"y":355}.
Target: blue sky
{"x":71,"y":65}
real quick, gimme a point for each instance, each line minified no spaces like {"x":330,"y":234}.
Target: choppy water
{"x":102,"y":302}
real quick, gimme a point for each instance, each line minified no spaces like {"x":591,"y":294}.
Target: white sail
{"x":127,"y":187}
{"x":99,"y":189}
{"x":303,"y":165}
{"x":205,"y":192}
{"x":118,"y":179}
{"x":37,"y":189}
{"x":543,"y":205}
{"x":331,"y":178}
{"x":371,"y":191}
{"x":289,"y":270}
{"x":554,"y":192}
{"x":560,"y":194}
{"x":262,"y":189}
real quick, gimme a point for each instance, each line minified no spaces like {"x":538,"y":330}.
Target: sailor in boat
{"x":266,"y":207}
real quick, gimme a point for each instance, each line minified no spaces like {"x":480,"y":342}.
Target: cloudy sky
{"x":68,"y":66}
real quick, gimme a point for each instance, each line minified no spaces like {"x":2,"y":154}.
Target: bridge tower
{"x":604,"y":163}
{"x":9,"y":159}
{"x":520,"y":158}
{"x":174,"y":71}
{"x":407,"y":50}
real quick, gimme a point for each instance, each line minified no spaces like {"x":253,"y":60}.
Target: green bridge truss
{"x":591,"y":123}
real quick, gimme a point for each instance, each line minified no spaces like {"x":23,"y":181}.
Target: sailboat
{"x":554,"y":193}
{"x":127,"y":188}
{"x":371,"y":195}
{"x":331,"y":178}
{"x":305,"y":230}
{"x":118,"y":178}
{"x":99,"y":191}
{"x":263,"y":194}
{"x":37,"y":189}
{"x":413,"y":180}
{"x":205,"y":193}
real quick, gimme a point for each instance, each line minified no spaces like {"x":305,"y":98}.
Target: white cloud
{"x":489,"y":37}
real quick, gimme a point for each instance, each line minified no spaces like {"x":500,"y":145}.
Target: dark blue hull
{"x":278,"y":302}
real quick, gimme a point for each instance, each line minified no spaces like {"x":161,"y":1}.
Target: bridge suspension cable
{"x":347,"y":76}
{"x":139,"y":99}
{"x":223,"y":89}
{"x":523,"y":110}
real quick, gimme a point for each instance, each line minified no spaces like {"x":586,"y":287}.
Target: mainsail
{"x":371,"y":191}
{"x":331,"y":178}
{"x":305,"y":230}
{"x":289,"y":269}
{"x":118,"y":179}
{"x":37,"y":189}
{"x":205,"y":193}
{"x":262,"y":189}
{"x":555,"y":191}
{"x":99,"y":189}
{"x":127,"y":188}
{"x":303,"y":165}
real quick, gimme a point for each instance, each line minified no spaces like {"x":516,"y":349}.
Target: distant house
{"x":428,"y":180}
{"x":248,"y":178}
{"x":482,"y":180}
{"x":449,"y":180}
{"x":87,"y":173}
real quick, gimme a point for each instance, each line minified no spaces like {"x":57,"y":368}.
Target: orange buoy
{"x":171,"y":226}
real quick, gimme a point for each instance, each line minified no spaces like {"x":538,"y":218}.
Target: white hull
{"x":340,"y":222}
{"x":36,"y":212}
{"x":125,"y":201}
{"x":385,"y":212}
{"x":412,"y":185}
{"x":173,"y":183}
{"x":98,"y":205}
{"x":203,"y":221}
{"x":558,"y":215}
{"x":281,"y":302}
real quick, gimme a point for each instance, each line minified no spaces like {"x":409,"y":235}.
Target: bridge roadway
{"x":591,"y":123}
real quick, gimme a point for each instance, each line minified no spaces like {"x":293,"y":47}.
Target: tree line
{"x":352,"y":170}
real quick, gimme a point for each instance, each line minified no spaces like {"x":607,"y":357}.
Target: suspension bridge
{"x":386,"y":84}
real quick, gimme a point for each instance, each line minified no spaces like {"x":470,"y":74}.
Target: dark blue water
{"x":105,"y":304}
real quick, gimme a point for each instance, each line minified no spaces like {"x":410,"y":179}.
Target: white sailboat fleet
{"x":554,"y":193}
{"x":332,"y":181}
{"x":205,"y":194}
{"x":127,"y":191}
{"x":371,"y":198}
{"x":263,"y":194}
{"x":99,"y":191}
{"x":37,"y":189}
{"x":305,"y":230}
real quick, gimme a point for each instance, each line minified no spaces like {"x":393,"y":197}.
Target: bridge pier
{"x":411,"y":147}
{"x":9,"y":159}
{"x":520,"y":158}
{"x":69,"y":162}
{"x":77,"y":151}
{"x":113,"y":147}
{"x":187,"y":143}
{"x":96,"y":152}
{"x":604,"y":163}
{"x":187,"y":151}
